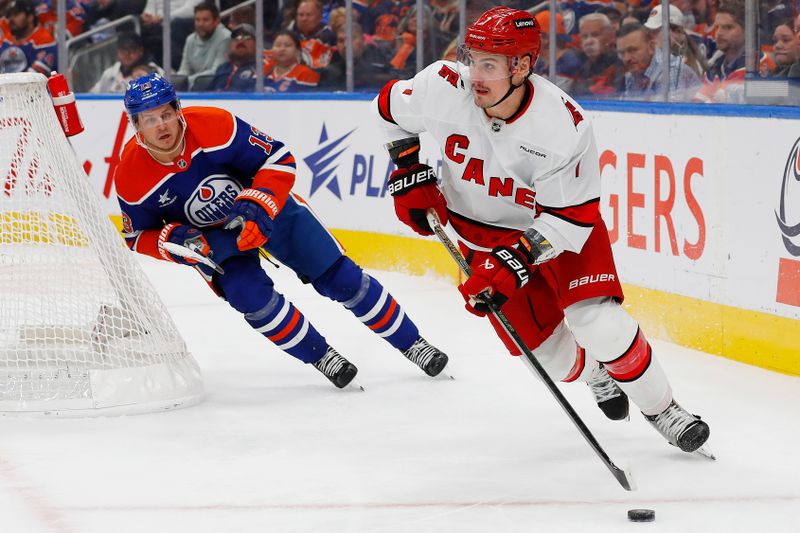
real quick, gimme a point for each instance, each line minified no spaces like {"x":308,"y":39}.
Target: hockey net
{"x":82,"y":330}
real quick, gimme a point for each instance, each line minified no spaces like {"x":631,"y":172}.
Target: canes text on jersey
{"x":455,"y":148}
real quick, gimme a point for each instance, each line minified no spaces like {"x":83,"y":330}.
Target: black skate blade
{"x":354,"y":386}
{"x":702,"y":451}
{"x":705,"y":451}
{"x":445,"y":374}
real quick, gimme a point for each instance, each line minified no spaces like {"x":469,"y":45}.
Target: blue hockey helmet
{"x":148,"y":92}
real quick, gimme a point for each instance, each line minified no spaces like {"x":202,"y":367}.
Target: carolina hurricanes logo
{"x":211,"y":201}
{"x":788,"y":213}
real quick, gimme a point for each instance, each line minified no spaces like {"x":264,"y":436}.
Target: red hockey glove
{"x":186,"y":236}
{"x":415,"y":191}
{"x":254,"y":211}
{"x":501,"y":274}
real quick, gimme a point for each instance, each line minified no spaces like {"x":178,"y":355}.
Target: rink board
{"x":703,"y":210}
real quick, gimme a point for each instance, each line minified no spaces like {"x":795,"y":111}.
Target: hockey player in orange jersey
{"x":203,"y":180}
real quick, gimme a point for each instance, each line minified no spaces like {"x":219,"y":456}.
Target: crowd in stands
{"x":604,"y":48}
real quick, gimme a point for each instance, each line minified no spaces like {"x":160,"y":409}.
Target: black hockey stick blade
{"x":624,"y":479}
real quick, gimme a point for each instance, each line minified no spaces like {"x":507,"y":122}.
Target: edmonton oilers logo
{"x":212,"y":200}
{"x":788,"y":212}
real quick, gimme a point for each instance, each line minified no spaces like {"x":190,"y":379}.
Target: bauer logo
{"x":594,"y":278}
{"x":325,"y":161}
{"x":788,"y":219}
{"x":212,"y":200}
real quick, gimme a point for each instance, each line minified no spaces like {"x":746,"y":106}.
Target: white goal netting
{"x":82,"y":330}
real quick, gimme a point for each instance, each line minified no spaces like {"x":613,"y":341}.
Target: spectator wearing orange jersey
{"x":316,"y":39}
{"x":26,"y":46}
{"x":285,"y":72}
{"x":76,"y":14}
{"x":404,"y":56}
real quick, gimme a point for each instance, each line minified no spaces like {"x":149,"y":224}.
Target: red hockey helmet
{"x":505,"y":31}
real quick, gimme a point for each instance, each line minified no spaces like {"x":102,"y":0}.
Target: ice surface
{"x":274,"y":447}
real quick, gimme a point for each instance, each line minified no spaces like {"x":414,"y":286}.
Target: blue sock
{"x":282,"y":323}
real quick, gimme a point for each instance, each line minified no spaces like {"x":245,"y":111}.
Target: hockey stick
{"x":621,"y":476}
{"x":183,"y":251}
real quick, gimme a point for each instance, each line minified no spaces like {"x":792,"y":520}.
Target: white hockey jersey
{"x":537,"y":169}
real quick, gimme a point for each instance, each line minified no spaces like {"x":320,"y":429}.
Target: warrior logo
{"x":323,"y":163}
{"x":211,"y":202}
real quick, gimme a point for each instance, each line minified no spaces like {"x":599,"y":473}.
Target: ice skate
{"x":609,"y":397}
{"x":680,"y":428}
{"x":336,"y":368}
{"x":429,"y":358}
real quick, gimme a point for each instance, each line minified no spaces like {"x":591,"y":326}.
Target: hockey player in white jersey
{"x":520,"y":185}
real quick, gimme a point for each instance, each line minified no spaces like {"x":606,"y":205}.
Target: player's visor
{"x":478,"y":66}
{"x":151,"y":119}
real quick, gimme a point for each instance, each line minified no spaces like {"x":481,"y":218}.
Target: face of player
{"x":205,"y":24}
{"x":284,"y":51}
{"x":730,"y":36}
{"x":160,"y":127}
{"x":309,"y":18}
{"x":785,"y":48}
{"x":635,"y":50}
{"x":489,"y":78}
{"x":595,"y":38}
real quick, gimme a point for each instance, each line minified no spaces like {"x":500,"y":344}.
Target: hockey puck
{"x":641,"y":515}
